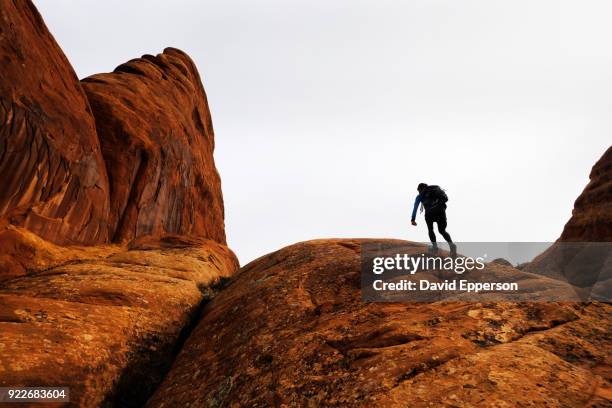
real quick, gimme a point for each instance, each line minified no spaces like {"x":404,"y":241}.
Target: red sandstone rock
{"x":581,"y":256}
{"x":103,"y":320}
{"x":592,"y":216}
{"x":53,"y":179}
{"x":22,"y":253}
{"x":291,"y":330}
{"x":157,"y":139}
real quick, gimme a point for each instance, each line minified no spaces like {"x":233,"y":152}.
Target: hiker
{"x":433,"y":199}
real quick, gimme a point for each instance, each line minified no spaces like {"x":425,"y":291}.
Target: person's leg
{"x":442,"y":227}
{"x":432,"y":236}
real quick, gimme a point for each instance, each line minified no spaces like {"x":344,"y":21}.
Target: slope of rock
{"x":104,"y":321}
{"x":582,"y":255}
{"x":591,"y":219}
{"x":157,"y":139}
{"x":23,"y":252}
{"x":53,"y":176}
{"x":291,"y":330}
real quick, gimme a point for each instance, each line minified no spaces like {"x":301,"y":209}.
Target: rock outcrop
{"x":53,"y":177}
{"x":291,"y":330}
{"x":591,"y":219}
{"x":152,"y":127}
{"x":105,"y":321}
{"x":100,"y":282}
{"x":582,"y":255}
{"x":157,"y":139}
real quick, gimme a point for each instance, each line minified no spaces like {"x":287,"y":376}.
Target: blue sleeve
{"x":417,"y":201}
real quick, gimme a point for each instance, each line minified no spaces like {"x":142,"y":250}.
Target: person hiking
{"x":433,"y":199}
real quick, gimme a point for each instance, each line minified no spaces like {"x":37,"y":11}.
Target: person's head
{"x":421,"y":187}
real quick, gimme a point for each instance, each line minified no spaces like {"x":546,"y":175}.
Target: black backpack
{"x":433,"y":197}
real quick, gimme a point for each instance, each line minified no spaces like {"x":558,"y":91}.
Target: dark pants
{"x":438,"y":216}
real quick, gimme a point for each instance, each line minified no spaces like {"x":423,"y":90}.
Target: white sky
{"x":328,"y":113}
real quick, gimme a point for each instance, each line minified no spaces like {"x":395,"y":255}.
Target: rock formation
{"x":582,"y":255}
{"x":157,"y":139}
{"x":151,"y":119}
{"x":305,"y":338}
{"x":591,"y":219}
{"x":53,"y":177}
{"x":502,"y":261}
{"x":106,"y":319}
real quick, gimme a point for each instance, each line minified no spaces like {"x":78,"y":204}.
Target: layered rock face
{"x":592,"y":216}
{"x":151,"y":119}
{"x":582,"y":255}
{"x":53,"y":177}
{"x":157,"y":139}
{"x":305,"y":338}
{"x":106,"y":320}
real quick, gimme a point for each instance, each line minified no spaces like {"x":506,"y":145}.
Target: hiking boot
{"x":433,"y":249}
{"x":453,"y":249}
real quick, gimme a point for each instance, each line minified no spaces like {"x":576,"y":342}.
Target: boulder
{"x":53,"y":176}
{"x":157,"y":139}
{"x":291,"y":330}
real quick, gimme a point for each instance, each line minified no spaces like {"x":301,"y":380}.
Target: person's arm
{"x":417,"y":201}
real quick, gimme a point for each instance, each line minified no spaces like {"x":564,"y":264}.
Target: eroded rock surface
{"x":582,"y":255}
{"x":291,"y":330}
{"x":157,"y":139}
{"x":592,"y":215}
{"x":105,"y":321}
{"x":53,"y":178}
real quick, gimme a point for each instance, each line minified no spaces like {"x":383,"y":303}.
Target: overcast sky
{"x":328,"y":113}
